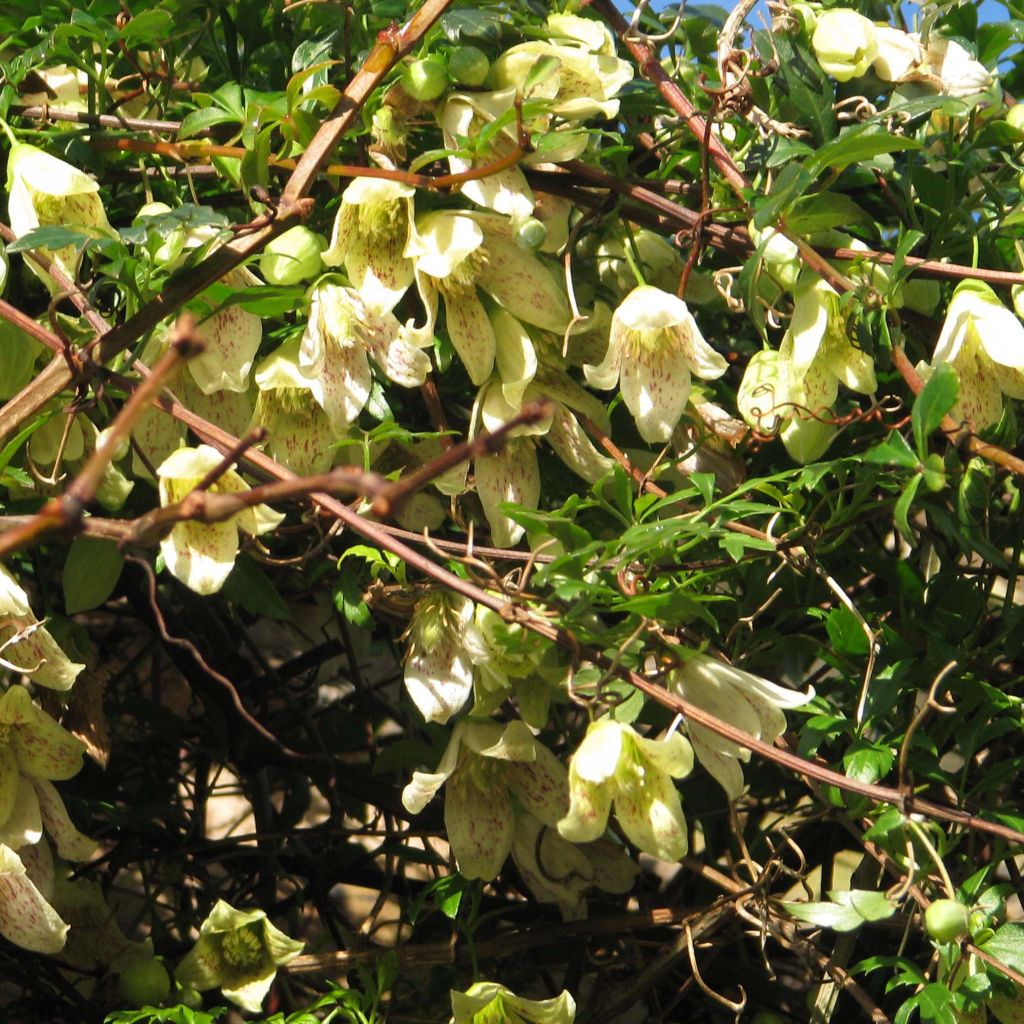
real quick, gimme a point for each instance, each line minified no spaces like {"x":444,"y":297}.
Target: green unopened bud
{"x":168,"y":248}
{"x":946,"y":920}
{"x":144,"y":983}
{"x":806,"y":15}
{"x":532,"y":233}
{"x":934,"y":472}
{"x":293,"y":257}
{"x":468,"y":65}
{"x":425,"y":79}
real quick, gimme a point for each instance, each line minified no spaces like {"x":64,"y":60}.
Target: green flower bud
{"x":293,"y":257}
{"x":934,"y":472}
{"x":144,"y":983}
{"x":532,"y":233}
{"x":468,"y":65}
{"x":946,"y":920}
{"x":425,"y":79}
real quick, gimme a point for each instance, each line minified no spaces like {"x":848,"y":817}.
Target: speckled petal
{"x":10,"y":777}
{"x":43,"y":747}
{"x":71,"y":844}
{"x":541,"y":786}
{"x":201,"y":555}
{"x":480,"y":825}
{"x":26,"y":919}
{"x":651,"y":814}
{"x":655,"y":383}
{"x":672,"y":754}
{"x":24,"y":825}
{"x":471,"y":334}
{"x":510,"y":475}
{"x":439,"y":680}
{"x":589,"y":806}
{"x":232,"y":337}
{"x":575,"y":449}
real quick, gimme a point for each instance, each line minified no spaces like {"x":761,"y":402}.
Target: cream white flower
{"x":458,"y":253}
{"x":371,"y":232}
{"x":957,"y":72}
{"x":616,"y":765}
{"x":45,"y":191}
{"x":747,"y":701}
{"x":239,"y":952}
{"x":654,"y":348}
{"x":487,"y":1002}
{"x":844,"y":43}
{"x":202,"y":555}
{"x":984,"y":342}
{"x":899,"y":53}
{"x":341,"y":332}
{"x":486,"y":764}
{"x":26,"y":646}
{"x":26,"y":918}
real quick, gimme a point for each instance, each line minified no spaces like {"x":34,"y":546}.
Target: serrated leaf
{"x":91,"y":572}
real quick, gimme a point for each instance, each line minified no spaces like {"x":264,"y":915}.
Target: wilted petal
{"x":509,"y":475}
{"x":26,"y":919}
{"x":651,"y":814}
{"x":480,"y":825}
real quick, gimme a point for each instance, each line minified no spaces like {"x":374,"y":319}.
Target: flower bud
{"x":468,"y":65}
{"x":292,"y":257}
{"x":532,"y":233}
{"x":425,"y":79}
{"x":1015,"y":117}
{"x":946,"y":920}
{"x":144,"y":983}
{"x":844,"y":43}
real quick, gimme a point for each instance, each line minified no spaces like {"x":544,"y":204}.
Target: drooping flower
{"x":342,"y":331}
{"x":487,"y":1002}
{"x":239,"y":952}
{"x":957,"y":73}
{"x":844,"y":43}
{"x":749,"y":702}
{"x":654,"y":348}
{"x":26,"y":645}
{"x":984,"y":342}
{"x":899,"y":53}
{"x":487,"y":765}
{"x":371,"y":232}
{"x":456,"y":254}
{"x":443,"y":639}
{"x":26,"y":918}
{"x":616,"y":765}
{"x":45,"y":191}
{"x":202,"y":555}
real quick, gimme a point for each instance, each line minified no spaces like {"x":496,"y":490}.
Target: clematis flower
{"x":899,"y":53}
{"x":616,"y":765}
{"x":299,"y":433}
{"x":955,"y":71}
{"x":984,"y":342}
{"x":341,"y":332}
{"x":45,"y":191}
{"x":26,"y":918}
{"x":456,"y":254}
{"x":844,"y":43}
{"x":443,"y":639}
{"x":371,"y":231}
{"x":239,"y":952}
{"x":747,"y":701}
{"x":654,"y":348}
{"x":202,"y":555}
{"x":487,"y":765}
{"x":26,"y":645}
{"x":487,"y":1002}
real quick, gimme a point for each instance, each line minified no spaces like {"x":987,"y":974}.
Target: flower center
{"x":462,"y":279}
{"x":242,"y":947}
{"x":380,"y":222}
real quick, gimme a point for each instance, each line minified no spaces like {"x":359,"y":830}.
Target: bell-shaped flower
{"x":458,"y":253}
{"x":371,"y":232}
{"x":740,"y":698}
{"x":26,"y":918}
{"x":487,"y":1002}
{"x":956,"y":71}
{"x":984,"y":342}
{"x":342,"y":331}
{"x":487,"y":766}
{"x":63,"y":86}
{"x":616,"y":765}
{"x":38,"y":808}
{"x":239,"y":952}
{"x":844,"y":43}
{"x":443,"y":641}
{"x":899,"y":53}
{"x":45,"y":191}
{"x":559,"y":872}
{"x":34,"y":744}
{"x":202,"y":555}
{"x":299,"y":433}
{"x":654,"y":348}
{"x":26,"y":646}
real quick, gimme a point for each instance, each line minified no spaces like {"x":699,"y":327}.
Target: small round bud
{"x":934,"y":473}
{"x":468,"y":65}
{"x":946,"y":920}
{"x":425,"y":79}
{"x":144,"y":983}
{"x":293,"y":257}
{"x":532,"y":233}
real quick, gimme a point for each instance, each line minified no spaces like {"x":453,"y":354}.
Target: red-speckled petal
{"x":26,"y":919}
{"x":480,"y":825}
{"x":42,"y":746}
{"x":510,"y":475}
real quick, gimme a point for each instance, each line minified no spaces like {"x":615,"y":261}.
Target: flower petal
{"x":672,"y":754}
{"x":655,"y":386}
{"x":232,"y":337}
{"x":541,"y":786}
{"x":26,"y":919}
{"x":24,"y":824}
{"x":201,"y":555}
{"x":43,"y":747}
{"x":510,"y":475}
{"x":589,"y":806}
{"x":651,"y":814}
{"x":71,"y":844}
{"x":471,"y":333}
{"x":480,"y":825}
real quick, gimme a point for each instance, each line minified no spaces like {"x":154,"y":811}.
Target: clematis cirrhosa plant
{"x":202,"y":555}
{"x":370,"y":236}
{"x":654,"y":348}
{"x":616,"y":765}
{"x":26,"y":645}
{"x":341,"y":332}
{"x":487,"y":1002}
{"x":489,"y":766}
{"x":45,"y":191}
{"x":239,"y":952}
{"x":984,"y":342}
{"x":26,"y":917}
{"x":456,"y":255}
{"x":747,"y":701}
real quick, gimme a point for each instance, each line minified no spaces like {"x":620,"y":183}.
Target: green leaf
{"x":250,"y":588}
{"x":937,"y":398}
{"x":1007,"y":946}
{"x":846,"y":632}
{"x":791,"y":183}
{"x":823,"y":211}
{"x":53,"y":236}
{"x":902,"y":508}
{"x":198,"y":121}
{"x":893,"y":451}
{"x":348,"y":599}
{"x":146,"y":27}
{"x":847,"y":911}
{"x":855,"y":145}
{"x":91,"y":572}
